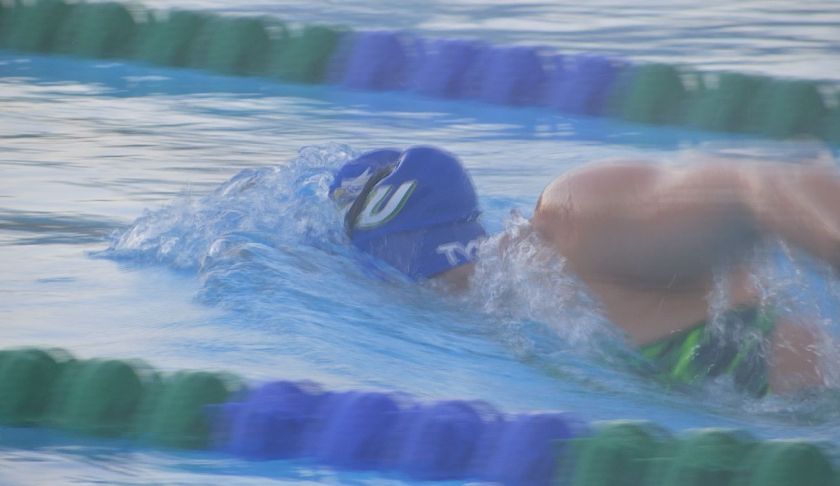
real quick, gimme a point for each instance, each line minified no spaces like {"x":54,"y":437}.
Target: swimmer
{"x":645,"y":239}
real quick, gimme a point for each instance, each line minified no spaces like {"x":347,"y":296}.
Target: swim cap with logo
{"x":352,"y":176}
{"x":418,"y":212}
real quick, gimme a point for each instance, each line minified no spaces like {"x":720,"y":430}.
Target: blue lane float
{"x":274,"y":422}
{"x":510,"y":76}
{"x":377,"y":61}
{"x":442,"y":439}
{"x":442,"y":73}
{"x":526,"y":448}
{"x":356,"y":430}
{"x":580,"y":84}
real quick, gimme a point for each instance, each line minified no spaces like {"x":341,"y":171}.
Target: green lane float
{"x":231,"y":45}
{"x":98,"y":397}
{"x":830,"y":126}
{"x":719,"y":101}
{"x":783,"y":463}
{"x":655,"y":95}
{"x":619,"y":454}
{"x":304,"y":56}
{"x":641,"y":454}
{"x":110,"y":398}
{"x":176,"y":412}
{"x":706,"y":457}
{"x":97,"y":30}
{"x":784,"y":108}
{"x":33,"y":27}
{"x":166,"y":38}
{"x":26,"y":380}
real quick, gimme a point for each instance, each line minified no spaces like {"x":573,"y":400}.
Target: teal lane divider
{"x":109,"y":398}
{"x":640,"y":453}
{"x":388,"y":432}
{"x":447,"y":68}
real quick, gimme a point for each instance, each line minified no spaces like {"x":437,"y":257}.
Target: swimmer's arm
{"x":646,"y":224}
{"x":800,"y":205}
{"x":607,"y":217}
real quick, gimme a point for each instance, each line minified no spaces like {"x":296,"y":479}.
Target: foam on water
{"x":268,"y":206}
{"x":538,"y":305}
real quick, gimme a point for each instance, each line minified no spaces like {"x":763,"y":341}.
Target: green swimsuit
{"x":737,"y":349}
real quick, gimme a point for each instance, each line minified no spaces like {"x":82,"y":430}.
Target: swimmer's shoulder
{"x":595,"y":183}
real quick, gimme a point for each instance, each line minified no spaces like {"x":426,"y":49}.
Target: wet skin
{"x":647,"y":240}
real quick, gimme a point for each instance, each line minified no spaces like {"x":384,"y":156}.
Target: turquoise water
{"x":129,"y":229}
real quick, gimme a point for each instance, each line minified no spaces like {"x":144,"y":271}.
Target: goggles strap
{"x":360,"y":201}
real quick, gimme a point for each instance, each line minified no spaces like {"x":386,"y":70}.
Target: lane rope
{"x":387,"y":432}
{"x":579,"y":84}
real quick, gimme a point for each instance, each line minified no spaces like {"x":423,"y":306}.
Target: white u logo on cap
{"x":381,"y":208}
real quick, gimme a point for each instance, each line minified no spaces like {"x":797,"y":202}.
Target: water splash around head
{"x":273,"y":206}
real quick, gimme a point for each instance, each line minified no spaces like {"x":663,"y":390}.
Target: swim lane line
{"x":383,"y":60}
{"x":392,"y":433}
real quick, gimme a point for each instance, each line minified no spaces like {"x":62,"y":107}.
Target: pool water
{"x":181,"y":218}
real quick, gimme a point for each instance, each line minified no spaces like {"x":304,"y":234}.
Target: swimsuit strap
{"x":696,"y":353}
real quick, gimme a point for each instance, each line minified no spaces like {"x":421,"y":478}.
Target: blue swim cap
{"x":418,"y":211}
